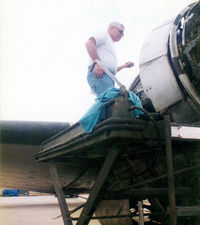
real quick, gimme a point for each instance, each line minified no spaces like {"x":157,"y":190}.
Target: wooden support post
{"x":141,"y":212}
{"x":89,"y":208}
{"x":60,"y":195}
{"x":171,"y":186}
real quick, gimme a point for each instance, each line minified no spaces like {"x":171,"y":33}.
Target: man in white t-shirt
{"x":101,"y":47}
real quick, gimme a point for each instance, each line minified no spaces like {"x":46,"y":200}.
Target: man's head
{"x":116,"y":31}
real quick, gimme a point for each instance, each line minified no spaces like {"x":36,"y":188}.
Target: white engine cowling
{"x":169,"y":77}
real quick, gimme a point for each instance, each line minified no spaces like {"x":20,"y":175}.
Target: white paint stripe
{"x":185,"y":132}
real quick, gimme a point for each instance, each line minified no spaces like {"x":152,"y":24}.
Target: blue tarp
{"x":97,"y":112}
{"x":10,"y":192}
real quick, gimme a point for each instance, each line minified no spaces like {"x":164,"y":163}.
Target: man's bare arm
{"x":92,"y":51}
{"x":125,"y":65}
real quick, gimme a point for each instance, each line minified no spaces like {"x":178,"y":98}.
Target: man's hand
{"x":125,"y":65}
{"x":98,"y":71}
{"x":128,"y":65}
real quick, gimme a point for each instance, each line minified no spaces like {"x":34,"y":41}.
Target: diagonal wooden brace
{"x":89,"y":208}
{"x":60,"y":195}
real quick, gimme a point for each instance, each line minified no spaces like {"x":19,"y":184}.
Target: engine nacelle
{"x":169,"y":77}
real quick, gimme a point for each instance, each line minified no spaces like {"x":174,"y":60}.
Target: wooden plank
{"x":141,"y":212}
{"x":171,"y":186}
{"x":72,"y":132}
{"x":116,"y":209}
{"x":123,"y":129}
{"x":89,"y":208}
{"x":60,"y":195}
{"x":76,"y":131}
{"x":143,"y":193}
{"x":151,"y":180}
{"x":188,"y":210}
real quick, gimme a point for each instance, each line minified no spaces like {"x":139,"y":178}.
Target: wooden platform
{"x":120,"y":143}
{"x":75,"y":140}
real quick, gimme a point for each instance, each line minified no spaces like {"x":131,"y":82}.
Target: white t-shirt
{"x":106,"y":50}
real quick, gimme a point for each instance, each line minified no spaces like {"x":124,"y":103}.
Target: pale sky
{"x":43,"y":61}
